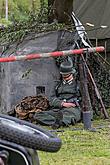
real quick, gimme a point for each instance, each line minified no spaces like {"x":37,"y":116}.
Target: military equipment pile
{"x":30,"y":105}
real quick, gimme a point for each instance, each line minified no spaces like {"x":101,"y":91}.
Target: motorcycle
{"x":20,"y":140}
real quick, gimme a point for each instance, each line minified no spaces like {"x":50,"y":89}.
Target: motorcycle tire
{"x":27,"y":134}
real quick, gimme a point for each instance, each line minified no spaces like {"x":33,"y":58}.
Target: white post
{"x":6,"y":9}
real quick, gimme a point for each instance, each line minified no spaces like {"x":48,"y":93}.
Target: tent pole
{"x":96,"y":41}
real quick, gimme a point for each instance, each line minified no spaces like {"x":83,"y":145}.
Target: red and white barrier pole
{"x":51,"y":54}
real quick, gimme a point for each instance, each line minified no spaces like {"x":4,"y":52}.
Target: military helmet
{"x":66,"y":67}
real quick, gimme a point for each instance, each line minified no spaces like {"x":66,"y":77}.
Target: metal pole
{"x":51,"y":54}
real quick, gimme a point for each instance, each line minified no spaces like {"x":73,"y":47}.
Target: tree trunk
{"x":60,"y":10}
{"x":3,"y":9}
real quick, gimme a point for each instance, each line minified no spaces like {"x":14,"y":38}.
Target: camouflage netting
{"x":101,"y":74}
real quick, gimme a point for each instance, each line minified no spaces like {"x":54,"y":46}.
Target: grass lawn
{"x":81,"y":147}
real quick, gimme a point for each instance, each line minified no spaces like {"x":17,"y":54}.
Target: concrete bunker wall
{"x":41,"y":78}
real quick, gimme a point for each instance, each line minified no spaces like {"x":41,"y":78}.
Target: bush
{"x":4,"y":22}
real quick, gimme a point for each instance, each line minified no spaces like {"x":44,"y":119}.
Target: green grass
{"x":81,"y":147}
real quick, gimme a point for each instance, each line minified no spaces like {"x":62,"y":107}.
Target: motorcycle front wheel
{"x":28,"y":134}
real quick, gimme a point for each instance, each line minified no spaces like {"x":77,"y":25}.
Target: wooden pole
{"x":86,"y":101}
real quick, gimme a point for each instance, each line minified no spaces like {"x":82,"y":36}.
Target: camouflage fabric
{"x":30,"y":105}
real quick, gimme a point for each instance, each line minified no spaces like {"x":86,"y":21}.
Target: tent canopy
{"x":96,"y":12}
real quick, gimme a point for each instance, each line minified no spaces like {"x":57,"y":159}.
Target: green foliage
{"x":35,"y":22}
{"x":17,"y":31}
{"x":101,"y":75}
{"x":5,"y":22}
{"x":19,"y":9}
{"x":26,"y":18}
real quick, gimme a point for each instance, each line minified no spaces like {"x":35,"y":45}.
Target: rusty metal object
{"x":30,"y":105}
